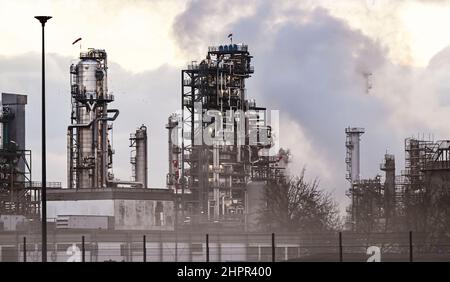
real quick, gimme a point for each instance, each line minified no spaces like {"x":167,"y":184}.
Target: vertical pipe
{"x":356,"y":157}
{"x":24,"y":249}
{"x":207,"y":247}
{"x":182,"y":148}
{"x":144,"y":248}
{"x":273,"y":247}
{"x":410,"y":247}
{"x":83,"y":253}
{"x":340,"y":247}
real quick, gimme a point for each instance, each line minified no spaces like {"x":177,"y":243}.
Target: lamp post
{"x":43,"y":20}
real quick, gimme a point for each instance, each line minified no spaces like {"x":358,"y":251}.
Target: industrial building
{"x":93,"y":192}
{"x":94,"y":198}
{"x":220,"y":143}
{"x":19,"y":197}
{"x":374,"y":204}
{"x":219,"y":160}
{"x":416,"y":200}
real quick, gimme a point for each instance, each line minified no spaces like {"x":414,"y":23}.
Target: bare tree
{"x":298,"y":205}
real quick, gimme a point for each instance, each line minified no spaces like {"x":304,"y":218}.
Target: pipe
{"x":139,"y":184}
{"x":113,"y":118}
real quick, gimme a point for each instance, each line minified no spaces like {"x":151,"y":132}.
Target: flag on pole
{"x":76,"y":41}
{"x":230,"y":35}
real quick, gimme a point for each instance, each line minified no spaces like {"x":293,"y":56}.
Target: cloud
{"x":133,"y":31}
{"x":207,"y":20}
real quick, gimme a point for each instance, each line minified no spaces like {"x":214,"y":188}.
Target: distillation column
{"x":174,"y":153}
{"x":141,"y":157}
{"x":89,"y":149}
{"x":353,"y":153}
{"x":353,"y":169}
{"x":388,"y":166}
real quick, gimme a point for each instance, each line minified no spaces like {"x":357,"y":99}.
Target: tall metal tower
{"x":139,"y":157}
{"x":223,"y":134}
{"x":89,"y":148}
{"x":353,"y":155}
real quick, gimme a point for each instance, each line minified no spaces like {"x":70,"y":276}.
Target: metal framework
{"x":373,"y":203}
{"x":17,"y":194}
{"x":416,"y":200}
{"x":425,"y":183}
{"x":214,"y":172}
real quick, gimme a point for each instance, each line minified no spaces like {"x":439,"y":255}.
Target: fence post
{"x":207,"y":247}
{"x":340,"y":247}
{"x":144,"y":248}
{"x":24,"y":249}
{"x":410,"y":247}
{"x":273,"y":247}
{"x":161,"y":251}
{"x":82,"y":250}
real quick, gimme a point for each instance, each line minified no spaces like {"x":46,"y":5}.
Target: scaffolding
{"x":17,"y":195}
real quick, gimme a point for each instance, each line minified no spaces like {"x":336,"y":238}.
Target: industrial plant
{"x":225,"y":141}
{"x":222,"y":154}
{"x":218,"y":151}
{"x":415,"y":200}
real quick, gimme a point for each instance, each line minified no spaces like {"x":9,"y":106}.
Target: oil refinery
{"x":217,"y":150}
{"x":220,"y":161}
{"x":154,"y":159}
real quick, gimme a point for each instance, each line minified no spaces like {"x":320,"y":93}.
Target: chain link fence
{"x":200,"y":247}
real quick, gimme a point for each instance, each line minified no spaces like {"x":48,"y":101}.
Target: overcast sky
{"x":309,"y":56}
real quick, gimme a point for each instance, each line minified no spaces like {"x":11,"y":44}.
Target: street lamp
{"x":43,"y":20}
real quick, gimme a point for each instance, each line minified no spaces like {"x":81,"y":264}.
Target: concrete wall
{"x":80,"y":207}
{"x":128,"y":214}
{"x":143,"y":215}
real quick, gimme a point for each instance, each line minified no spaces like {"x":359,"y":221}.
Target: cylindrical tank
{"x":87,"y":80}
{"x":90,"y":86}
{"x":141,"y":155}
{"x":90,"y":156}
